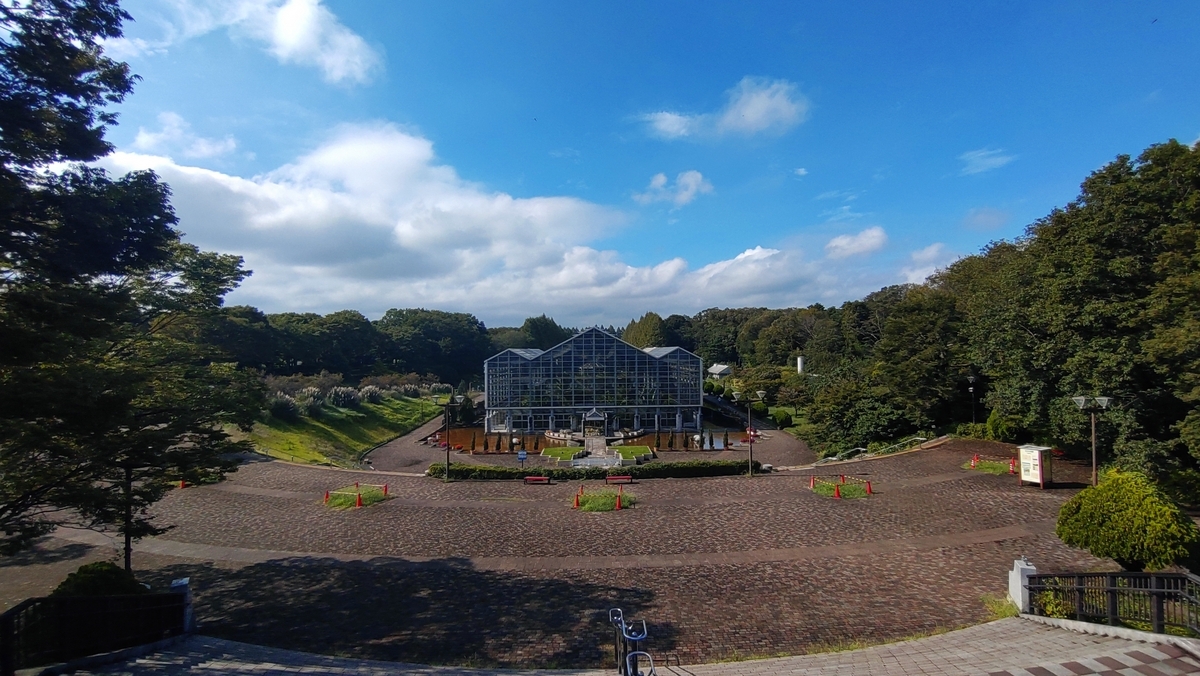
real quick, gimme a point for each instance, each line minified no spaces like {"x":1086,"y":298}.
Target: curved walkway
{"x":1011,"y":647}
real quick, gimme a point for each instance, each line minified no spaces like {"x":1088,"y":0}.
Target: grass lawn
{"x":345,"y":498}
{"x":632,"y":452}
{"x":560,"y":452}
{"x":849,"y":491}
{"x":604,"y":501}
{"x":341,"y":435}
{"x":989,"y":466}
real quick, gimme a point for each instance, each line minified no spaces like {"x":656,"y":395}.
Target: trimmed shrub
{"x":343,"y":397}
{"x":1003,"y":427}
{"x":708,"y":387}
{"x":972,"y":430}
{"x":1129,"y":520}
{"x":283,"y":407}
{"x":370,"y":394}
{"x":654,"y":470}
{"x":99,"y":579}
{"x":782,"y":419}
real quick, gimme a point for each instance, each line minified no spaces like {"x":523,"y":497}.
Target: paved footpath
{"x":1011,"y":647}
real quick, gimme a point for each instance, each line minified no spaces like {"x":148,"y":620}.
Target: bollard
{"x":837,"y":491}
{"x":869,"y":488}
{"x":327,"y":497}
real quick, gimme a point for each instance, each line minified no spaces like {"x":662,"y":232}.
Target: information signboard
{"x":1035,"y":464}
{"x":521,"y":455}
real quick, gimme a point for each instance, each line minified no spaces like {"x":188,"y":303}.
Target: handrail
{"x":906,"y":442}
{"x":1154,"y":600}
{"x":631,"y":661}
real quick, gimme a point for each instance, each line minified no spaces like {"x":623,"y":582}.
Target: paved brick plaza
{"x":498,"y":573}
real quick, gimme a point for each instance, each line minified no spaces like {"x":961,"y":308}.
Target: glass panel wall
{"x":536,"y":391}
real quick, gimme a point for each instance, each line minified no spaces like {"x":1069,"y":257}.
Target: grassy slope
{"x":342,"y":434}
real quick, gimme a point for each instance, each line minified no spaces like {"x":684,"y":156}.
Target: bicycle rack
{"x":627,"y":642}
{"x":631,"y":664}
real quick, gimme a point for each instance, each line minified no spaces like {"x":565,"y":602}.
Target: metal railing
{"x":54,"y":629}
{"x":1151,"y":601}
{"x":627,"y":641}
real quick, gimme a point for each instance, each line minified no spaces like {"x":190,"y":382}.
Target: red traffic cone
{"x":576,"y":501}
{"x":327,"y":497}
{"x":812,"y":481}
{"x":182,"y":483}
{"x":869,"y":488}
{"x":355,"y":485}
{"x":358,"y":502}
{"x":385,"y":490}
{"x":1012,"y":465}
{"x":837,"y":491}
{"x":842,"y":478}
{"x":974,"y":460}
{"x":618,"y":501}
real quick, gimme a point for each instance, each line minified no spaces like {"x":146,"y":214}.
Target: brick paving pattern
{"x":991,"y":649}
{"x":502,"y":574}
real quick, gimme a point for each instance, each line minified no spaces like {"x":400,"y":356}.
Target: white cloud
{"x":985,"y":218}
{"x":302,"y":32}
{"x":801,"y":171}
{"x":925,"y":262}
{"x":868,"y":241}
{"x":371,"y":220}
{"x":979,"y":161}
{"x":176,"y":136}
{"x":754,"y":106}
{"x":687,"y":186}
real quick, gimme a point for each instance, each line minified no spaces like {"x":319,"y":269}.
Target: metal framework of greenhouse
{"x":593,"y":383}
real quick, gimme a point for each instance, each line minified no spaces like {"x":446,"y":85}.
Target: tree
{"x":108,"y":390}
{"x":1127,"y":519}
{"x":544,"y":333}
{"x":645,"y":332}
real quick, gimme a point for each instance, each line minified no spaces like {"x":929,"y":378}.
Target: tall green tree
{"x":107,"y":390}
{"x":645,"y":332}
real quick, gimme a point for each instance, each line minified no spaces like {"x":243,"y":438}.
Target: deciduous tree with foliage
{"x":107,"y":390}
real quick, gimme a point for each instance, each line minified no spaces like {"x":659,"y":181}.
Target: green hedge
{"x":654,"y":470}
{"x":1128,"y":519}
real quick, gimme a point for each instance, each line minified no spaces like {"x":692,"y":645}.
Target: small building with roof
{"x":593,"y":383}
{"x":719,"y":371}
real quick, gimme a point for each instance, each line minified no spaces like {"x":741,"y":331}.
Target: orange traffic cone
{"x":974,"y":460}
{"x":327,"y":497}
{"x":812,"y":481}
{"x":576,"y":501}
{"x":1012,"y":465}
{"x":837,"y":491}
{"x":842,"y":478}
{"x":385,"y":490}
{"x":868,"y":488}
{"x":358,"y":502}
{"x":182,"y":483}
{"x":620,"y":489}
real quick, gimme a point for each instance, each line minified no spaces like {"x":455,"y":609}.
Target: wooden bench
{"x":624,"y":479}
{"x":537,"y":480}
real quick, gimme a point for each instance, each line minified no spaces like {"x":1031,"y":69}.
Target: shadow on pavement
{"x":443,"y":612}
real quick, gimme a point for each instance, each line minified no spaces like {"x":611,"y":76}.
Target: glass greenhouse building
{"x":593,"y":382}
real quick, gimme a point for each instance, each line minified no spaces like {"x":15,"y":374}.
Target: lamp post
{"x":737,"y":396}
{"x":971,"y":389}
{"x":457,"y":400}
{"x":1091,"y":405}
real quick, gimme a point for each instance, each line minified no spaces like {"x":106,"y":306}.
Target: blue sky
{"x":593,"y":161}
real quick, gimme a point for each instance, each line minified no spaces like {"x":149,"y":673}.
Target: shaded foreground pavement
{"x":1012,"y":647}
